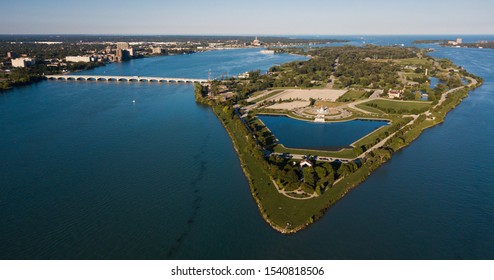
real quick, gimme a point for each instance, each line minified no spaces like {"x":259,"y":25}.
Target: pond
{"x":294,"y":133}
{"x":434,"y":82}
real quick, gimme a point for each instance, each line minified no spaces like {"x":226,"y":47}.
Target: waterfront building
{"x":216,"y":45}
{"x":256,"y":42}
{"x":122,"y":45}
{"x":244,"y":75}
{"x":79,"y":58}
{"x":122,"y":55}
{"x":267,"y":51}
{"x":124,"y":51}
{"x":23,"y":62}
{"x":458,"y":41}
{"x":156,"y":50}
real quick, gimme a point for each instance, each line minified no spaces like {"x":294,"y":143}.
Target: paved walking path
{"x":287,"y":194}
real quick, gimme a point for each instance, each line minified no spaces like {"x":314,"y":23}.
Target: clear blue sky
{"x":277,"y":17}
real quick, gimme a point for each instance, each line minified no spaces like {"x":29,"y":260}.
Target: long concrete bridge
{"x":100,"y":78}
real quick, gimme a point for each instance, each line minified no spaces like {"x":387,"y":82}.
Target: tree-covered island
{"x":458,"y":43}
{"x":294,"y":187}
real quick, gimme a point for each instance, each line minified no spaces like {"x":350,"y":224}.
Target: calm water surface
{"x":326,"y":136}
{"x":87,"y":174}
{"x":434,"y":82}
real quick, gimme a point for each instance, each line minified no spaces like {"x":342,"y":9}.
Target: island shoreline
{"x":411,"y":130}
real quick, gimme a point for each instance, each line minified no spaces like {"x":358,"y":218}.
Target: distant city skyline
{"x":254,"y":17}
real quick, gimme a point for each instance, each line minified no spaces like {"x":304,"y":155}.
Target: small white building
{"x":267,"y":51}
{"x":23,"y":62}
{"x":396,"y":94}
{"x":80,"y":58}
{"x":458,"y":41}
{"x":244,"y":75}
{"x":305,"y":163}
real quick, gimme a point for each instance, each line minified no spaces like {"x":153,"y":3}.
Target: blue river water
{"x":321,"y":136}
{"x":85,"y":173}
{"x":433,"y":82}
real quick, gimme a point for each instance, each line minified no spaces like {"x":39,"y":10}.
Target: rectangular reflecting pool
{"x":299,"y":134}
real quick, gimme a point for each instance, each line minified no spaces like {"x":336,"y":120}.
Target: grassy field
{"x":352,"y":95}
{"x":383,"y":132}
{"x":413,"y":75}
{"x":328,"y":104}
{"x":396,"y":106}
{"x":369,"y":109}
{"x":271,"y":94}
{"x":412,"y":61}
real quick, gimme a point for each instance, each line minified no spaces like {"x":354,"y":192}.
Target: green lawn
{"x":369,"y":109}
{"x":268,"y":96}
{"x":413,"y":75}
{"x":377,"y":135}
{"x":352,"y":95}
{"x":390,"y":106}
{"x":412,"y":61}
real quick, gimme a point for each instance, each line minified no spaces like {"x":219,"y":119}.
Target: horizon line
{"x":242,"y":35}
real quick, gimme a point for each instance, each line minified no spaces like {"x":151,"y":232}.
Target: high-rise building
{"x":124,"y":52}
{"x":122,"y":45}
{"x":122,"y":55}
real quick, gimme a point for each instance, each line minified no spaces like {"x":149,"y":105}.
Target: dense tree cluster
{"x":290,"y":176}
{"x":368,"y":74}
{"x":352,"y":66}
{"x":45,"y":51}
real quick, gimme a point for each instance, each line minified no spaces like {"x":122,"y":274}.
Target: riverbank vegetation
{"x":36,"y":73}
